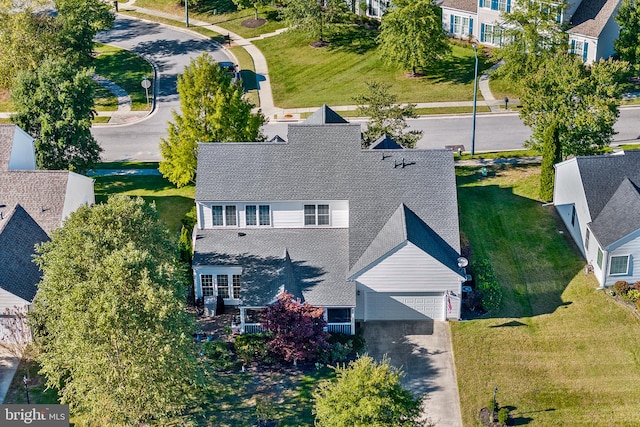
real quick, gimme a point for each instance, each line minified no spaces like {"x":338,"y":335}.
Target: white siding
{"x":9,"y":300}
{"x":214,"y":271}
{"x":79,"y":192}
{"x":567,"y":193}
{"x":410,"y":269}
{"x":23,"y":155}
{"x":609,"y":34}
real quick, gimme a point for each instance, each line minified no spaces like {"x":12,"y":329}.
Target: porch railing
{"x":252,"y":328}
{"x":339,"y":328}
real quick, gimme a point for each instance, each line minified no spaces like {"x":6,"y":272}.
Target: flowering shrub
{"x":487,"y":285}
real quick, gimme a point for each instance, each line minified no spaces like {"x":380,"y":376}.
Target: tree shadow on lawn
{"x":534,"y":262}
{"x":353,"y":38}
{"x":456,"y":69}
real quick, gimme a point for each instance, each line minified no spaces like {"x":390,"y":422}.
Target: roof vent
{"x":241,"y":234}
{"x":402,"y":164}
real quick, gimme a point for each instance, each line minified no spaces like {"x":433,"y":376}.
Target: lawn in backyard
{"x":559,"y":351}
{"x":304,"y":76}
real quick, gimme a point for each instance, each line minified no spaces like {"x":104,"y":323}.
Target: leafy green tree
{"x":109,"y":318}
{"x":628,"y":42}
{"x":531,"y":33}
{"x":582,"y":102}
{"x":551,"y":154}
{"x":411,"y":35}
{"x":314,"y":16}
{"x":385,"y":116}
{"x":248,"y":4}
{"x":212,"y":110}
{"x":54,"y":104}
{"x":366,"y":394}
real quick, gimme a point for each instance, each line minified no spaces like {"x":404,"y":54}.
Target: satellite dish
{"x":463,"y":262}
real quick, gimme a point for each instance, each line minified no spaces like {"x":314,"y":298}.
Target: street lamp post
{"x":495,"y":391}
{"x":186,"y":11}
{"x":475,"y":100}
{"x":25,"y":380}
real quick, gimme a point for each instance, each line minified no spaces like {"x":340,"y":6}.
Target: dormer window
{"x":316,"y":215}
{"x":224,"y":216}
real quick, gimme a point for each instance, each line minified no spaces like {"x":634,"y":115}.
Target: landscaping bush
{"x":253,"y":348}
{"x":503,"y":415}
{"x":632,"y":296}
{"x":620,"y":288}
{"x":218,"y":354}
{"x":487,"y":285}
{"x":636,"y":285}
{"x":340,"y":347}
{"x":491,"y":407}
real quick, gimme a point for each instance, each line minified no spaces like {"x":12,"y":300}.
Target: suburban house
{"x":367,"y":234}
{"x":598,"y":199}
{"x":32,"y":204}
{"x":592,"y":26}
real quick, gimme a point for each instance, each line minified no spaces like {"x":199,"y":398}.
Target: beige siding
{"x":9,"y":300}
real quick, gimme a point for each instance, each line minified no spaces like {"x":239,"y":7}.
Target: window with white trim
{"x":258,"y":215}
{"x":619,"y":265}
{"x":577,"y":48}
{"x":206,"y":282}
{"x":223,"y":285}
{"x":236,"y":282}
{"x":460,"y":25}
{"x":491,"y":34}
{"x":316,"y":214}
{"x":224,"y":216}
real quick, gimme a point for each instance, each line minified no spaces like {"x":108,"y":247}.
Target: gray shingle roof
{"x":41,"y":193}
{"x":602,"y":175}
{"x":310,"y":263}
{"x":324,"y":115}
{"x":19,"y":234}
{"x":620,"y":216}
{"x":591,"y":17}
{"x":466,"y":5}
{"x":385,"y":142}
{"x":6,"y":144}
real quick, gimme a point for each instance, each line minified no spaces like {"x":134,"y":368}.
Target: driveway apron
{"x":422,"y":349}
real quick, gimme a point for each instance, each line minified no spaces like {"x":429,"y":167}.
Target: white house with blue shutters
{"x":591,"y":34}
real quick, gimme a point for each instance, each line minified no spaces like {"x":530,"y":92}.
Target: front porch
{"x":340,"y":320}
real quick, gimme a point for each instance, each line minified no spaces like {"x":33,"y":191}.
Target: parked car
{"x":231,"y":69}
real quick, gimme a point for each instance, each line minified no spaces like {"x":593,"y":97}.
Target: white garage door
{"x":404,"y":306}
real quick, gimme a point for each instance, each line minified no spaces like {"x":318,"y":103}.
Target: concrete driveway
{"x":422,"y":349}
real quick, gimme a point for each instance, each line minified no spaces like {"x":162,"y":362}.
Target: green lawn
{"x":303,"y":76}
{"x":172,"y":203}
{"x":560,"y":352}
{"x":125,"y":69}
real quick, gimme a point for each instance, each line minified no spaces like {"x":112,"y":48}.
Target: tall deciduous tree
{"x":551,"y":154}
{"x":314,"y":16}
{"x":296,"y":329}
{"x":628,"y":42}
{"x":385,"y":116}
{"x":109,"y":317}
{"x":411,"y":35}
{"x":582,"y":102}
{"x":54,"y":104}
{"x":530,"y":34}
{"x":366,"y":393}
{"x":247,"y":4}
{"x":212,"y":110}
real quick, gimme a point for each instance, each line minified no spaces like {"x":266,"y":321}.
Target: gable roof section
{"x":620,"y":216}
{"x":41,"y":193}
{"x":602,"y":175}
{"x":591,"y":17}
{"x":324,"y":115}
{"x":466,"y":5}
{"x":326,"y":162}
{"x":309,"y":263}
{"x":19,"y":234}
{"x":405,"y":226}
{"x":385,"y":142}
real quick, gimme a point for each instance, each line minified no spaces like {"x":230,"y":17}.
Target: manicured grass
{"x":248,"y":74}
{"x":103,"y":99}
{"x":125,"y":69}
{"x":498,"y":155}
{"x":101,"y":119}
{"x":5,"y":101}
{"x":38,"y":394}
{"x":303,"y":76}
{"x":175,"y":23}
{"x":559,"y":351}
{"x":127,"y":165}
{"x":4,"y":121}
{"x":500,"y":87}
{"x":172,"y":203}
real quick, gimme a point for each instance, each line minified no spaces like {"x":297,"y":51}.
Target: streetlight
{"x":475,"y":99}
{"x":186,"y":11}
{"x":26,"y":388}
{"x":495,"y":391}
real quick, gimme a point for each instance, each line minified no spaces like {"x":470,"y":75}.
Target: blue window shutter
{"x":470,"y":26}
{"x":451,"y":23}
{"x":494,"y":4}
{"x":481,"y":33}
{"x":585,"y":49}
{"x":481,"y":3}
{"x":508,"y":6}
{"x":573,"y":46}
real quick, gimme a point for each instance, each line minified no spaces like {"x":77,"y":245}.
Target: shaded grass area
{"x":172,"y":203}
{"x":101,"y":119}
{"x":173,"y":22}
{"x":559,"y":351}
{"x":125,"y":69}
{"x":38,"y":393}
{"x":303,"y":76}
{"x":126,"y":165}
{"x":248,"y":74}
{"x":103,"y":99}
{"x":501,"y":87}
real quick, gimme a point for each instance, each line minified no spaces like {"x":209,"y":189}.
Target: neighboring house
{"x":598,"y":199}
{"x":591,"y":34}
{"x":368,"y":234}
{"x":32,"y":204}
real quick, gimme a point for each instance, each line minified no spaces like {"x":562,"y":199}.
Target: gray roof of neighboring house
{"x":41,"y":193}
{"x":19,"y":234}
{"x":591,"y":17}
{"x":6,"y":144}
{"x":602,"y":175}
{"x":620,"y":216}
{"x":324,"y":115}
{"x":309,"y":263}
{"x":466,"y":5}
{"x":385,"y":142}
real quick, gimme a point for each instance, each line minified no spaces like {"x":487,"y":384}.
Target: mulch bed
{"x":319,"y":44}
{"x":253,"y":23}
{"x":486,"y":418}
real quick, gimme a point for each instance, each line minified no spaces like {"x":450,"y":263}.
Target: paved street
{"x":170,"y":49}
